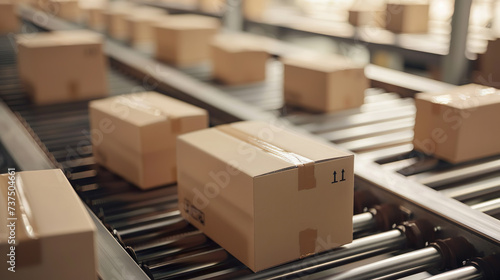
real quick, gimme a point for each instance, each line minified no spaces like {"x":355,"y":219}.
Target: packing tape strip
{"x":27,"y":242}
{"x":307,"y":242}
{"x":304,"y":165}
{"x":146,"y":107}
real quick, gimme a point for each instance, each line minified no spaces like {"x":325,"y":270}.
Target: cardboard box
{"x":65,"y":9}
{"x":488,"y":65}
{"x":265,"y":194}
{"x":323,"y":83}
{"x":184,"y":40}
{"x":367,"y":17}
{"x":212,"y":6}
{"x":60,"y":244}
{"x":92,"y":13}
{"x":458,"y":125}
{"x":137,"y":135}
{"x":238,"y":60}
{"x":8,"y":17}
{"x":114,"y":18}
{"x":78,"y":67}
{"x":140,"y":25}
{"x":407,"y":18}
{"x":254,"y":9}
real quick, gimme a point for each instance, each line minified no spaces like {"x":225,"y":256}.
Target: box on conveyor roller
{"x":458,"y":125}
{"x":62,"y":66}
{"x":407,"y":17}
{"x":48,"y":232}
{"x":238,"y":59}
{"x":8,"y":17}
{"x":488,"y":65}
{"x":265,"y":194}
{"x":92,"y":13}
{"x":135,"y":135}
{"x":323,"y":83}
{"x":184,"y":40}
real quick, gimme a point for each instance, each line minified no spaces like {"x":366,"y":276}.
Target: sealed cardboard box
{"x":323,"y":83}
{"x":265,"y":194}
{"x":458,"y":125}
{"x":238,"y":60}
{"x":411,"y":17}
{"x":137,"y":135}
{"x":114,"y":18}
{"x":140,"y":25}
{"x":62,"y":66}
{"x":53,"y":235}
{"x":66,"y":9}
{"x":8,"y":18}
{"x":184,"y":40}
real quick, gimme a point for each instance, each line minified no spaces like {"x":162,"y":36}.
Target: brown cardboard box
{"x":66,"y":9}
{"x":8,"y":18}
{"x":114,"y":18}
{"x":60,"y":243}
{"x":488,"y":65}
{"x":407,"y":18}
{"x":254,"y":9}
{"x":140,"y":25}
{"x":458,"y":125}
{"x":238,"y":59}
{"x":137,"y":135}
{"x":367,"y":17}
{"x":184,"y":40}
{"x":265,"y":194}
{"x":62,"y":66}
{"x":212,"y":6}
{"x":323,"y":83}
{"x":92,"y":13}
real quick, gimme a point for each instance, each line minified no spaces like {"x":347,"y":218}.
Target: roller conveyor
{"x":147,"y":224}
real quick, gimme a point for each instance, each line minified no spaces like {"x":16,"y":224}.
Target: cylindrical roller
{"x":407,"y":235}
{"x":464,"y":273}
{"x":448,"y":253}
{"x":487,"y":268}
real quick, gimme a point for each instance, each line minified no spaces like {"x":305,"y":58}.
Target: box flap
{"x":59,"y":38}
{"x":146,"y":108}
{"x":185,"y":22}
{"x":231,"y":149}
{"x":464,"y":97}
{"x":323,"y":63}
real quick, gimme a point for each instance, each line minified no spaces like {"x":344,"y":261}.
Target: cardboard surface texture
{"x":367,"y":16}
{"x":407,"y":17}
{"x":457,"y":125}
{"x":323,"y":83}
{"x":62,"y":66}
{"x":184,"y":40}
{"x":8,"y":18}
{"x":238,"y":59}
{"x":265,"y":194}
{"x":137,"y":135}
{"x":54,"y":235}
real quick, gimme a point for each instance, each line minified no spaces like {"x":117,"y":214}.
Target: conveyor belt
{"x":148,"y":225}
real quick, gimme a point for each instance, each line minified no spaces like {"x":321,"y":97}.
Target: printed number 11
{"x":335,"y":177}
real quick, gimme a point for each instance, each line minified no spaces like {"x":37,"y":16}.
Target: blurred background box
{"x":323,"y":83}
{"x":9,"y":22}
{"x":114,"y":18}
{"x":140,"y":24}
{"x":66,"y":9}
{"x":407,"y":17}
{"x":184,"y":40}
{"x":62,"y":66}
